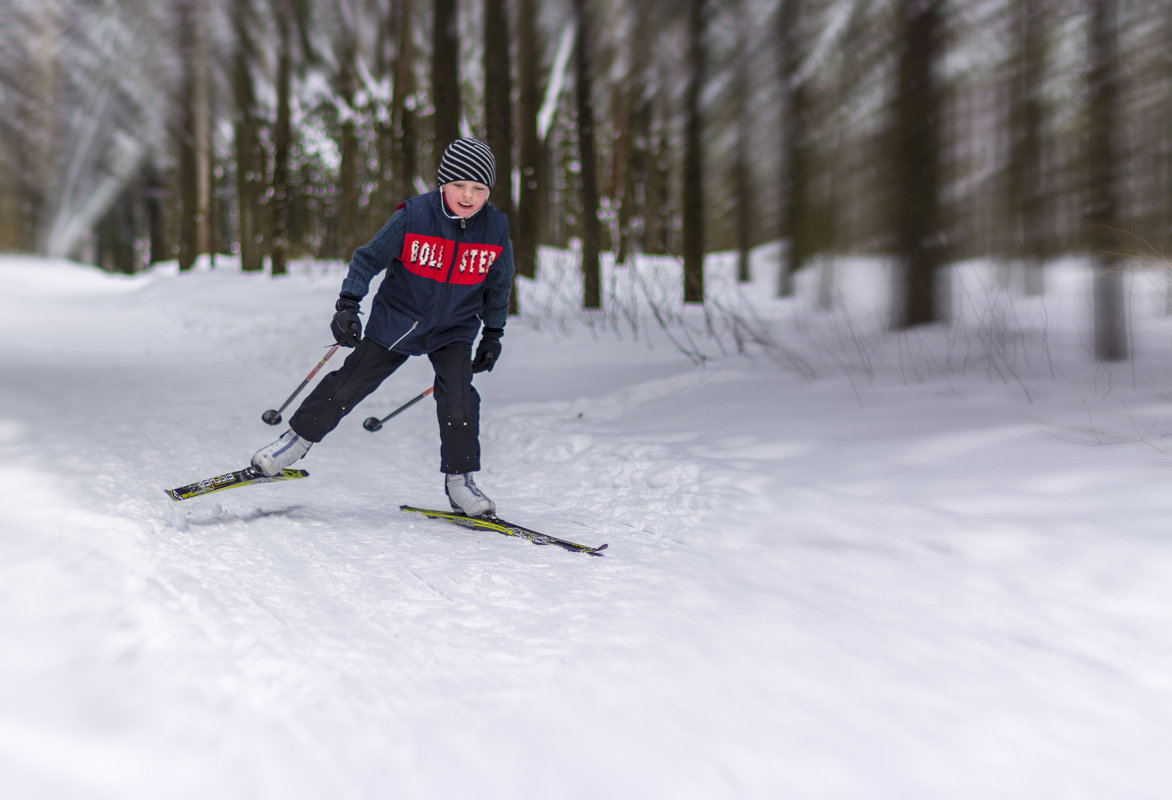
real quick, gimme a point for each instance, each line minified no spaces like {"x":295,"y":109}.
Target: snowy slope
{"x":855,"y":566}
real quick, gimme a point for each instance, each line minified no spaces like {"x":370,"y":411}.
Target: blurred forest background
{"x":925,"y":132}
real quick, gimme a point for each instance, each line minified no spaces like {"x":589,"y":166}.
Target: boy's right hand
{"x":346,"y":326}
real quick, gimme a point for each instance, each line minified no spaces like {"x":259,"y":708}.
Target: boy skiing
{"x":449,"y":266}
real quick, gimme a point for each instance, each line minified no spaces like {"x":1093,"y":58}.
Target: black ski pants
{"x":456,"y":400}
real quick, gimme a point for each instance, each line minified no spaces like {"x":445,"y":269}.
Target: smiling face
{"x":465,"y":198}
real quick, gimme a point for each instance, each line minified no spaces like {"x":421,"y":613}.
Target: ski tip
{"x":230,"y":480}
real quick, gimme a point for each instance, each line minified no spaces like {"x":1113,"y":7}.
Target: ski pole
{"x":372,"y":424}
{"x":273,"y":415}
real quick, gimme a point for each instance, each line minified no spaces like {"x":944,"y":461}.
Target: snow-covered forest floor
{"x":843,"y":563}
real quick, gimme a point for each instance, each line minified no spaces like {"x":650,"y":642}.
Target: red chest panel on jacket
{"x":431,"y":257}
{"x":473,"y":261}
{"x":427,"y":256}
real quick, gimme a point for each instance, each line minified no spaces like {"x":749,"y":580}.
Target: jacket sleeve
{"x":376,"y":255}
{"x":498,"y":287}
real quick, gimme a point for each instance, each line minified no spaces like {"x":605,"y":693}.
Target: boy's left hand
{"x":489,"y":350}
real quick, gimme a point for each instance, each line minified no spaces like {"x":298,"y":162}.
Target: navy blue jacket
{"x":444,"y":276}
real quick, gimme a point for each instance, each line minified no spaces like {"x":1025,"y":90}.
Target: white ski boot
{"x":466,"y":497}
{"x":272,"y":458}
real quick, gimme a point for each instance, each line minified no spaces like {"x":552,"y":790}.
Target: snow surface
{"x":845,"y":564}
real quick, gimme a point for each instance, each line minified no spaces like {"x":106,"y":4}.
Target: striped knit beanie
{"x":467,"y":160}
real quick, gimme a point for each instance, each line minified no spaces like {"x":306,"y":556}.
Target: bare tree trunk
{"x":349,"y":177}
{"x":693,"y":203}
{"x":188,"y":196}
{"x":794,"y":191}
{"x":498,"y":104}
{"x":1025,"y":155}
{"x":194,"y":132}
{"x":636,"y":132}
{"x":187,"y":137}
{"x":658,"y":206}
{"x":588,"y":158}
{"x":445,"y":75}
{"x":1165,"y":152}
{"x":404,"y":123}
{"x":279,"y":240}
{"x":117,"y":232}
{"x":1103,"y":117}
{"x":155,"y":201}
{"x":498,"y":107}
{"x":530,"y":198}
{"x":555,"y":219}
{"x":201,"y":101}
{"x":620,"y":162}
{"x":385,"y":63}
{"x":633,"y":210}
{"x":249,"y":172}
{"x":917,"y":164}
{"x":42,"y":144}
{"x":10,"y":218}
{"x":742,"y":180}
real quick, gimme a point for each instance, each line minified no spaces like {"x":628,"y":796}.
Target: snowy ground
{"x":851,"y":565}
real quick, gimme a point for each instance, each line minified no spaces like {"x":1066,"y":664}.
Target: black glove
{"x":346,"y":326}
{"x":489,"y":350}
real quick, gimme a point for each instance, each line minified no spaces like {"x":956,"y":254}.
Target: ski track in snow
{"x":919,"y":596}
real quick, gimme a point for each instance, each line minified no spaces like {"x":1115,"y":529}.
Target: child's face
{"x":465,"y":198}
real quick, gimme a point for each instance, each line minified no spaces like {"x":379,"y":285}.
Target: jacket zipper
{"x":447,"y":286}
{"x":414,"y":325}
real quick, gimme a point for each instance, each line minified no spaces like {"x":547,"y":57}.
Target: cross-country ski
{"x":232,"y":480}
{"x":491,"y":522}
